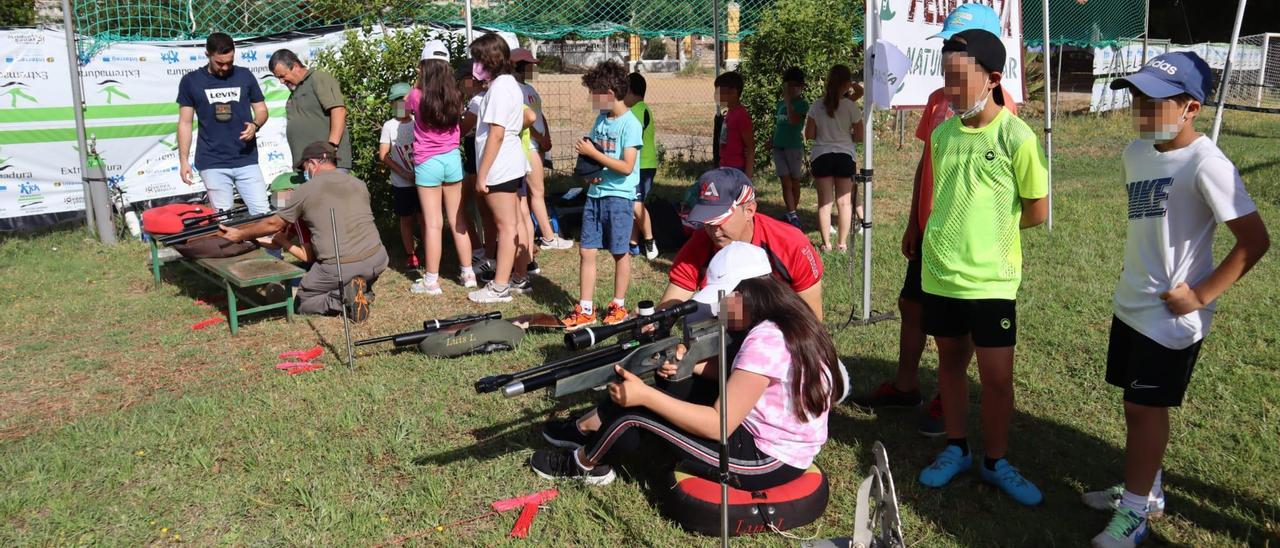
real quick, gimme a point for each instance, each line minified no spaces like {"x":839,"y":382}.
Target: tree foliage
{"x":366,"y":66}
{"x":17,"y":13}
{"x":810,"y":34}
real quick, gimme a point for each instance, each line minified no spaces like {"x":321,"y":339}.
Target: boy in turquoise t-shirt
{"x":608,"y":216}
{"x":788,"y":140}
{"x":642,"y":235}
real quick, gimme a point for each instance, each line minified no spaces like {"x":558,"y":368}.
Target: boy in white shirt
{"x":1180,"y":185}
{"x":395,"y":150}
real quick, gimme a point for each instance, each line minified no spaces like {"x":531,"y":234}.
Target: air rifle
{"x":429,"y":327}
{"x":211,"y":229}
{"x":639,"y":356}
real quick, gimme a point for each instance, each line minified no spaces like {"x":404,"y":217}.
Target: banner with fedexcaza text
{"x":1113,"y":62}
{"x":909,"y":24}
{"x":130,"y":92}
{"x":131,"y":114}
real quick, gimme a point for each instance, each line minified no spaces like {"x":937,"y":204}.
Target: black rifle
{"x":640,"y":357}
{"x":211,"y":229}
{"x":429,"y":327}
{"x":233,"y":212}
{"x":589,"y":336}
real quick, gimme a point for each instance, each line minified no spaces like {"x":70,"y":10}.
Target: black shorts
{"x":911,"y":285}
{"x":991,"y":323}
{"x":646,"y":183}
{"x":513,"y":185}
{"x":833,"y":164}
{"x":404,"y":200}
{"x":469,"y":155}
{"x":1150,"y":373}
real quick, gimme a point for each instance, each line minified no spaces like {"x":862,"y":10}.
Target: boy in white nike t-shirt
{"x":1180,"y":186}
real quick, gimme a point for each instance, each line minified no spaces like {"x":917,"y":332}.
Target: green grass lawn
{"x":120,"y":425}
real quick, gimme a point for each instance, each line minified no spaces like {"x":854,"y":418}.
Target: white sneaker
{"x":650,"y":249}
{"x":1108,"y":500}
{"x":420,"y":287}
{"x":488,"y":294}
{"x":521,"y":287}
{"x":1126,"y":530}
{"x":555,"y":242}
{"x":468,"y":279}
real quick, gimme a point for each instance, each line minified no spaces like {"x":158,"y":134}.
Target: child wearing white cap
{"x":436,"y":104}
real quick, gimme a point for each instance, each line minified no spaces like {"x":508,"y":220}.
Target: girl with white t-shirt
{"x":779,"y":392}
{"x":834,"y":125}
{"x":501,"y":165}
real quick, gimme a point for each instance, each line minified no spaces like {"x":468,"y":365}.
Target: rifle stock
{"x":702,"y":343}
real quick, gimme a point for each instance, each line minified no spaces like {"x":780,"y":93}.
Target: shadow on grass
{"x":1058,"y":458}
{"x":499,"y":439}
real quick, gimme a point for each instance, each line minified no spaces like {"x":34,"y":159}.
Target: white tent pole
{"x":1226,"y":71}
{"x":466,"y":13}
{"x":1262,"y":69}
{"x":872,"y":33}
{"x":1048,"y":109}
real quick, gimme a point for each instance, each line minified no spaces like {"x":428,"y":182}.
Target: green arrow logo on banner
{"x":14,"y":91}
{"x":886,"y":11}
{"x":112,"y":89}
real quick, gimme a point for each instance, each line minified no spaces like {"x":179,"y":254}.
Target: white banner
{"x":908,"y":24}
{"x":1126,"y":58}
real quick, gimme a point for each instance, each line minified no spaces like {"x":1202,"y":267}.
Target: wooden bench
{"x":231,"y":273}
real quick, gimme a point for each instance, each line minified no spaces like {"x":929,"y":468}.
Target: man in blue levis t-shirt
{"x":230,"y":108}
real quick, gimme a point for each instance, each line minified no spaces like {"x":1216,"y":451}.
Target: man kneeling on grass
{"x":363,"y":257}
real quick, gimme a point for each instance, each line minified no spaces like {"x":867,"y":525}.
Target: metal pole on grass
{"x":1146,"y":32}
{"x":868,"y":148}
{"x":97,"y":202}
{"x":342,"y":287}
{"x":466,"y":14}
{"x":723,"y":375}
{"x":715,"y":33}
{"x":1226,"y":71}
{"x":1048,"y":110}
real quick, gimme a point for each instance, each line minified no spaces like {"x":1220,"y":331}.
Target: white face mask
{"x":1166,"y":132}
{"x":977,"y":107}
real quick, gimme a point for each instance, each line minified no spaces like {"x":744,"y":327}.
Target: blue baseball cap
{"x":1171,"y":74}
{"x":970,"y":17}
{"x":717,"y":192}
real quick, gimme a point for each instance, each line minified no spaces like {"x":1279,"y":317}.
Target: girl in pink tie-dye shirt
{"x":779,"y":391}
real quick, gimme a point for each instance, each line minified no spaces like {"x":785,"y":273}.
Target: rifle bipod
{"x":876,"y":523}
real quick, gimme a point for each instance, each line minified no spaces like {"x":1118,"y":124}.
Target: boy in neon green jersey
{"x":990,"y":182}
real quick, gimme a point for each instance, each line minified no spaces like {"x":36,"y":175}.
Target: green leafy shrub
{"x":810,"y":34}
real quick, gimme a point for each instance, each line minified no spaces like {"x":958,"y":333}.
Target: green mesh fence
{"x":137,"y":20}
{"x":1094,"y":23}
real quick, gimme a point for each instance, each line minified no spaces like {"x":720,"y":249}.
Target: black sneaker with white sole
{"x":555,"y":464}
{"x":563,"y":433}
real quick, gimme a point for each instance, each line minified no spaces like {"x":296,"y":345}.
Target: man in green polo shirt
{"x":316,"y":110}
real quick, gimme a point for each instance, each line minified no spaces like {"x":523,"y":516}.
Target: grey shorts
{"x":788,"y":162}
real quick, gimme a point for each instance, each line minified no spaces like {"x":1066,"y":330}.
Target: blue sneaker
{"x":1126,"y":530}
{"x":948,"y":464}
{"x":635,"y":249}
{"x":1009,"y":480}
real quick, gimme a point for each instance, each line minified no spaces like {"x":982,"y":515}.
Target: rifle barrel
{"x":548,"y":379}
{"x":429,"y":327}
{"x":493,"y":383}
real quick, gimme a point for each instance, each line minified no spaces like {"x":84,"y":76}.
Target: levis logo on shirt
{"x":222,"y":95}
{"x":1147,"y":198}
